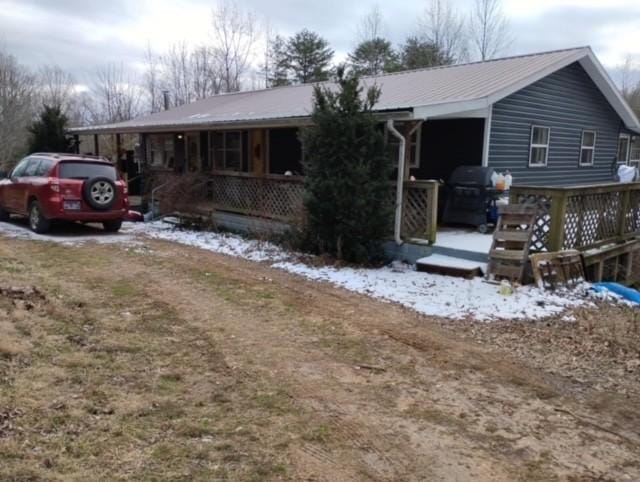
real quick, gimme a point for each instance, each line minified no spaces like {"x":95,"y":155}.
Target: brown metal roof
{"x":446,"y":89}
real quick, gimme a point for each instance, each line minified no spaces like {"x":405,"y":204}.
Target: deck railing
{"x":270,"y":196}
{"x":419,"y":210}
{"x":281,"y":198}
{"x":582,"y":217}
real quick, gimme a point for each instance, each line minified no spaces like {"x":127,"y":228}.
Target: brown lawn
{"x":170,"y":363}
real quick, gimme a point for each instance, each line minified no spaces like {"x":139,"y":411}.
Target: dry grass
{"x":115,"y":386}
{"x":183,"y":365}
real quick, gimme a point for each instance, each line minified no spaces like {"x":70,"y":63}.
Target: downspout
{"x":397,"y":228}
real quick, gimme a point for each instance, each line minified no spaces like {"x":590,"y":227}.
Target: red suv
{"x":47,"y":187}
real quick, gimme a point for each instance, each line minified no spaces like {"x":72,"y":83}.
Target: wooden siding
{"x":568,"y":102}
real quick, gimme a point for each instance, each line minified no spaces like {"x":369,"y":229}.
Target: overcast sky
{"x":78,"y":35}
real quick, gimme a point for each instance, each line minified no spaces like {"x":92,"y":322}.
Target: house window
{"x":161,"y":150}
{"x":394,"y":144}
{"x":623,"y":149}
{"x":539,"y":150}
{"x":587,"y":148}
{"x":226,"y":150}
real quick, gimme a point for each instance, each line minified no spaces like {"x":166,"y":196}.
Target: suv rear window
{"x":86,"y":170}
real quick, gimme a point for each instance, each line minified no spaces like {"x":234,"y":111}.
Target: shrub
{"x":347,"y":173}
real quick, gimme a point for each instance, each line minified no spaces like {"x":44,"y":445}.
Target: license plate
{"x":71,"y":205}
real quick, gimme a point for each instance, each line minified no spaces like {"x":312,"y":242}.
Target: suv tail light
{"x":54,"y":184}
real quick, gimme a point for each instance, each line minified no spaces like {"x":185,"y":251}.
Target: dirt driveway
{"x":164,"y":362}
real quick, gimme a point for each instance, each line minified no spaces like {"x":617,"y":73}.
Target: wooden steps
{"x":509,"y":252}
{"x":449,"y":266}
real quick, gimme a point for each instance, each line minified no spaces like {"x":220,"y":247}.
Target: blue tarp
{"x":620,"y":290}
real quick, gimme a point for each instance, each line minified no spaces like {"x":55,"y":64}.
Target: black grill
{"x":470,"y":194}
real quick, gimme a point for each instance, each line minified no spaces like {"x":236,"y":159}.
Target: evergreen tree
{"x":374,"y":57}
{"x":48,"y":133}
{"x":418,"y":54}
{"x":307,"y":58}
{"x":347,"y":172}
{"x":278,"y":70}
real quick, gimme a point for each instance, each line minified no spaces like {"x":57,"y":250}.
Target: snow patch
{"x":224,"y":243}
{"x":69,"y":235}
{"x":464,"y":240}
{"x":450,"y":261}
{"x":429,"y":294}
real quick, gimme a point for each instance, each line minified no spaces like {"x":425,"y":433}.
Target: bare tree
{"x":489,"y":29}
{"x":17,"y":108}
{"x":443,"y":27}
{"x":56,"y":88}
{"x":189,"y":74}
{"x":115,"y":95}
{"x":152,"y":80}
{"x":371,"y":25}
{"x":204,"y":72}
{"x":177,"y":74}
{"x":234,"y":36}
{"x":630,"y":82}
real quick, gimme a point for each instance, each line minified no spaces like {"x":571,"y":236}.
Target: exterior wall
{"x":568,"y":102}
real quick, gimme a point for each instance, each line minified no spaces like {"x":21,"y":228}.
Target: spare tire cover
{"x":100,"y":193}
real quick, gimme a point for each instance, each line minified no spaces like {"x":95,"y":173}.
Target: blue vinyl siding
{"x":568,"y":102}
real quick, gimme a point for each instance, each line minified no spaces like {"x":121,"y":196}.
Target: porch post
{"x":408,"y":132}
{"x":96,"y":145}
{"x":258,"y":165}
{"x":118,"y":147}
{"x":76,"y":143}
{"x":121,"y":166}
{"x":487,"y":137}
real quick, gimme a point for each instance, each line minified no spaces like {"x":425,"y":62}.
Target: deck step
{"x":448,"y":266}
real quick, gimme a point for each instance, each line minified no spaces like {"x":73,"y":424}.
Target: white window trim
{"x":588,"y":148}
{"x":414,"y":163}
{"x":533,"y":146}
{"x":626,"y":157}
{"x":212,"y":151}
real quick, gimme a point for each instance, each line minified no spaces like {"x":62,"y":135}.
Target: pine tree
{"x":347,"y":173}
{"x":418,"y":54}
{"x":307,"y":57}
{"x":374,"y":57}
{"x":48,"y":133}
{"x":278,"y":69}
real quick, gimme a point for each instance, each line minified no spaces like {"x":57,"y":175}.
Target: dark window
{"x":587,"y":148}
{"x":44,"y":167}
{"x":226,"y":150}
{"x":539,"y":147}
{"x":86,"y":170}
{"x":31,"y":168}
{"x":19,"y":169}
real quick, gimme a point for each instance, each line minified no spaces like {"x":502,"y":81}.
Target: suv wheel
{"x":37,"y":222}
{"x":112,"y":226}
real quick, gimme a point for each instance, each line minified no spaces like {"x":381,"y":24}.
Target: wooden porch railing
{"x":582,"y":217}
{"x":419,"y":210}
{"x":270,"y":196}
{"x":281,"y":198}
